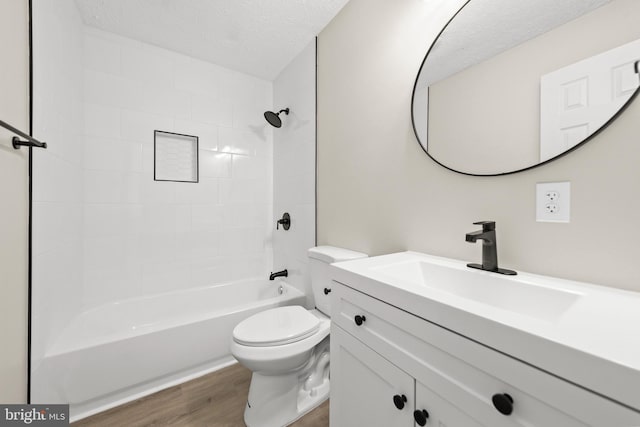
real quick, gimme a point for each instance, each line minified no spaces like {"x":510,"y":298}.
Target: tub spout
{"x":282,"y":273}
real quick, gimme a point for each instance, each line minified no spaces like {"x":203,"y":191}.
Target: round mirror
{"x":511,"y":84}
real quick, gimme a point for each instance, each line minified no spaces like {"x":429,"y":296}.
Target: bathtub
{"x":121,"y":351}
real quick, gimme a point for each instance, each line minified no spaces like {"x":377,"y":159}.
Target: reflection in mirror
{"x":510,"y":84}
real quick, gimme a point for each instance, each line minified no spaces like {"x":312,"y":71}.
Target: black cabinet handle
{"x":399,"y":400}
{"x":503,"y":403}
{"x":359,"y":319}
{"x":420,"y":416}
{"x":326,"y":291}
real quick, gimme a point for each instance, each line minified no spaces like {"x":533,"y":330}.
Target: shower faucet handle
{"x":285,"y":221}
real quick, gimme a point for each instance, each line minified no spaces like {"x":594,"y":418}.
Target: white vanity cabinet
{"x":364,"y":384}
{"x":379,"y":351}
{"x":368,"y":390}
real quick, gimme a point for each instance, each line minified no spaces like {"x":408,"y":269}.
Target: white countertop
{"x":594,"y":343}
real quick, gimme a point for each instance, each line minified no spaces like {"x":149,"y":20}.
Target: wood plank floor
{"x":214,"y":400}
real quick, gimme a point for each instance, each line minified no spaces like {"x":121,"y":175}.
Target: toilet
{"x":287,"y":348}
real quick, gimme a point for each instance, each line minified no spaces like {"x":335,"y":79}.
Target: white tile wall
{"x":104,"y":229}
{"x":294,"y":168}
{"x":171,"y":235}
{"x":57,"y":179}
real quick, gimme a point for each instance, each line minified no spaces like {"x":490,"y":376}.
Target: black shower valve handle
{"x":285,"y":221}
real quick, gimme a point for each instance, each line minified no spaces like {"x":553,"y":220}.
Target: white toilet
{"x":287,"y":348}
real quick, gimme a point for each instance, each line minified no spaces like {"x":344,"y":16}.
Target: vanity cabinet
{"x":366,"y":386}
{"x":381,"y":354}
{"x":368,"y":390}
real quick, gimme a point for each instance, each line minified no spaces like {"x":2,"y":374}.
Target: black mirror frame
{"x":564,"y":153}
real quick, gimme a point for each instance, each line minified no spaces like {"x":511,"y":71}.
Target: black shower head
{"x":274,"y":118}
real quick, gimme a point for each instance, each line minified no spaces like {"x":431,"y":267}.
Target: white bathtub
{"x":121,"y":351}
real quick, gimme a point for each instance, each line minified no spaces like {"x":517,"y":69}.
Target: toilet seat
{"x":276,"y":327}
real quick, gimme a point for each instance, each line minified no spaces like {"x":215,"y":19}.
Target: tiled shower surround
{"x":104,"y":230}
{"x":294,"y":173}
{"x":143,"y":236}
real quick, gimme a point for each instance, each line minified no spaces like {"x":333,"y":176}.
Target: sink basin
{"x":510,"y":293}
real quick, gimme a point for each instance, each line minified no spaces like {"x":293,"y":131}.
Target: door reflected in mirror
{"x":511,"y":84}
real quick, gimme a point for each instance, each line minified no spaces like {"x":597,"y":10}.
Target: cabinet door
{"x":440,"y":412}
{"x":363,"y":386}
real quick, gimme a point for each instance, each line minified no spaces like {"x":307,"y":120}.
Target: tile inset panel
{"x":175,"y":157}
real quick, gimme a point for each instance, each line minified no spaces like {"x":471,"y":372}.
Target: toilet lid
{"x":277,"y":326}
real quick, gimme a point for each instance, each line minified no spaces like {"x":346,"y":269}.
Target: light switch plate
{"x":553,"y":201}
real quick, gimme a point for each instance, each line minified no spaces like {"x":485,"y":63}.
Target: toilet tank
{"x":319,"y":259}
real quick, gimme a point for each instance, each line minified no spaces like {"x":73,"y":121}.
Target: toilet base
{"x":279,"y":400}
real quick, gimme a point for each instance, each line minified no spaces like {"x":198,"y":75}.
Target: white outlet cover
{"x":546,"y":193}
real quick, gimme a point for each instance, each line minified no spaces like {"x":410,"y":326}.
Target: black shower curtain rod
{"x":17,"y":143}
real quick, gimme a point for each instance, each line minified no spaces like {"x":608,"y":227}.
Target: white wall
{"x":14,"y":192}
{"x":143,"y":236}
{"x":294,"y":173}
{"x":379,"y":193}
{"x":57,"y":176}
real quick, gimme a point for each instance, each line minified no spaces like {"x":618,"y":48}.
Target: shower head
{"x":274,"y":118}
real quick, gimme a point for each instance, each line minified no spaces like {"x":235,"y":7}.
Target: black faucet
{"x":283,"y":273}
{"x":489,"y":248}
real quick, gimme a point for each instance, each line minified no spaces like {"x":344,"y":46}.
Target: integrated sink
{"x":513,"y":293}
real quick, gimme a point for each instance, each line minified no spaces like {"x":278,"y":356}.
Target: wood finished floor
{"x":214,"y":400}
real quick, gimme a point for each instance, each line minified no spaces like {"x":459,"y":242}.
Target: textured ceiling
{"x":485,"y":28}
{"x":258,"y":37}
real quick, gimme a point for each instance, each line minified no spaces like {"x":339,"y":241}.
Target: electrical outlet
{"x":551,"y":208}
{"x":551,"y":195}
{"x":553,"y":201}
